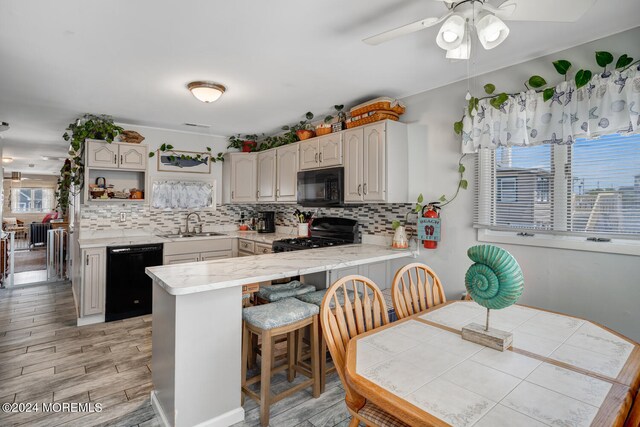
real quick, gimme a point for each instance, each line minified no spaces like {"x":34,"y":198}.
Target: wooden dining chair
{"x":415,"y":288}
{"x":633,"y":420}
{"x":358,"y":306}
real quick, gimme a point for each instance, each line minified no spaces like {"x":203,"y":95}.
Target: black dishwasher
{"x":128,"y":286}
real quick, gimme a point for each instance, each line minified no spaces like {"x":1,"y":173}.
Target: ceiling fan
{"x":487,"y":18}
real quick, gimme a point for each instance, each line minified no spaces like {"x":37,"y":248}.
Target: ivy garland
{"x":538,"y":83}
{"x":168,"y":148}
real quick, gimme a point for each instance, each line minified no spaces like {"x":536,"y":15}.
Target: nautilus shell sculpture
{"x":495,"y":281}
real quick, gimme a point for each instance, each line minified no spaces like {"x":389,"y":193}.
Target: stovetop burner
{"x":329,"y":232}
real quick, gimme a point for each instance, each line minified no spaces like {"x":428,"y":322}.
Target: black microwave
{"x":321,"y":187}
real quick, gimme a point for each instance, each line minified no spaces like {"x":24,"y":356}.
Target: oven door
{"x":322,"y":187}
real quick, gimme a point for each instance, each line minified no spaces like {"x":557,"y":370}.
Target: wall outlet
{"x":123,"y":216}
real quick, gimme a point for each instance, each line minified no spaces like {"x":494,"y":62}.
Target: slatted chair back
{"x":362,"y":311}
{"x":415,"y":288}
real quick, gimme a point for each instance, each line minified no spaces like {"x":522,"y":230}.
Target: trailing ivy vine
{"x":168,"y":148}
{"x":88,"y":126}
{"x":538,"y":83}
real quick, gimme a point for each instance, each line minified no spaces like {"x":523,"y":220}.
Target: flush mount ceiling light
{"x":7,"y":159}
{"x":206,"y":91}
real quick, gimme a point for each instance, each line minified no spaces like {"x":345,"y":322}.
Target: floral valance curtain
{"x":605,"y":105}
{"x":182,"y":195}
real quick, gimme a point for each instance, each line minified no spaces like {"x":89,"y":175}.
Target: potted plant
{"x":245,"y":144}
{"x":303,"y":130}
{"x":89,"y":126}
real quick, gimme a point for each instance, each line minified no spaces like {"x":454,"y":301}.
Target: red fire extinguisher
{"x":431,"y":211}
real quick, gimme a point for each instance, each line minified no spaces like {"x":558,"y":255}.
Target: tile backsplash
{"x":373,"y":219}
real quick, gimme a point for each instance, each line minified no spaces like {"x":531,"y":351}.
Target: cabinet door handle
{"x":277,"y":192}
{"x":316,"y":158}
{"x":232,"y":194}
{"x":359,"y":186}
{"x":115,"y":159}
{"x":364,"y":188}
{"x":320,"y":157}
{"x":257,"y":194}
{"x":121,"y":161}
{"x":87,"y":259}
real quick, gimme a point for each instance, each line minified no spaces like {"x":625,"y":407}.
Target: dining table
{"x":560,"y":370}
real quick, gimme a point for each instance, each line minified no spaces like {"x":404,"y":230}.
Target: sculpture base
{"x":493,"y":338}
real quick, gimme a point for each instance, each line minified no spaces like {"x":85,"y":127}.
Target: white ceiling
{"x":278,"y":59}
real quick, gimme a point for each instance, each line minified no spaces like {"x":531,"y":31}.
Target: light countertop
{"x":125,"y":239}
{"x":182,"y":279}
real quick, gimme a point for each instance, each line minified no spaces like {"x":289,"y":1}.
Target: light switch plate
{"x":123,"y":216}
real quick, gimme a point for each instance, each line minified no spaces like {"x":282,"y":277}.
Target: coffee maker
{"x":266,"y":222}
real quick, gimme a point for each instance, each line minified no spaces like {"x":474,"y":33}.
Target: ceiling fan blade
{"x":504,"y":11}
{"x":550,"y":10}
{"x":405,"y":29}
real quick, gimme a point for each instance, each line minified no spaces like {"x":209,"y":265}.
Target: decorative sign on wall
{"x":429,"y":229}
{"x":184,"y":161}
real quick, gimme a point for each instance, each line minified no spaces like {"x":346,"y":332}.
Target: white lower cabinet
{"x":249,"y":248}
{"x":93,"y":281}
{"x":379,"y":273}
{"x":197,"y":250}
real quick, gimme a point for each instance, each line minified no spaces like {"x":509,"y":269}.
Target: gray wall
{"x":602,"y":287}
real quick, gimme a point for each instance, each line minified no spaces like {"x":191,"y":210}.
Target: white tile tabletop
{"x":462,"y":383}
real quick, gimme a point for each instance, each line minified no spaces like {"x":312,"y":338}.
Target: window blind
{"x":589,"y":188}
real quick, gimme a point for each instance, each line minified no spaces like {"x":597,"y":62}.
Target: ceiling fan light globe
{"x":451,"y":33}
{"x":461,"y":52}
{"x":491,"y":31}
{"x":449,"y":36}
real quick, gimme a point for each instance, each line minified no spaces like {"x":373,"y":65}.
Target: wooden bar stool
{"x":286,"y":317}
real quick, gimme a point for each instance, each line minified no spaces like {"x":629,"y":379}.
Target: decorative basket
{"x":323,"y":130}
{"x":305,"y":134}
{"x":131,"y":136}
{"x":378,"y":104}
{"x":371,"y":117}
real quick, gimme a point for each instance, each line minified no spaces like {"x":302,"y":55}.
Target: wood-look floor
{"x":44,"y":357}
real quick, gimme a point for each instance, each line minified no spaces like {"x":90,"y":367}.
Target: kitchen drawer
{"x":211,"y":255}
{"x":186,"y":246}
{"x":262,"y":249}
{"x":243,"y":253}
{"x":181,"y":258}
{"x":245,"y":246}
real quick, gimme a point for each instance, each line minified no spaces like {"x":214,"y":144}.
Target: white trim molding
{"x":615,"y":246}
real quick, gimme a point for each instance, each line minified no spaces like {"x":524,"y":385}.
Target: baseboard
{"x":224,"y":420}
{"x":90,"y":320}
{"x":162,"y":417}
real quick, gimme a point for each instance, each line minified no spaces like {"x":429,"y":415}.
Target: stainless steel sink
{"x":186,"y":235}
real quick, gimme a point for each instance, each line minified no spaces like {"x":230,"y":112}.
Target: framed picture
{"x":184,"y":162}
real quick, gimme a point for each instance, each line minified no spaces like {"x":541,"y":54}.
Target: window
{"x":507,"y":189}
{"x":31,"y":200}
{"x":590,"y":188}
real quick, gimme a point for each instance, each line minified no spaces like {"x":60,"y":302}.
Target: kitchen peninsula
{"x":197,"y":323}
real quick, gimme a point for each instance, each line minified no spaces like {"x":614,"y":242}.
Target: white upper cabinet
{"x":240,"y":172}
{"x":321,"y":152}
{"x":353,"y":154}
{"x":330,"y":150}
{"x":375,"y":163}
{"x":309,"y":154}
{"x":266,"y":176}
{"x":114,"y":155}
{"x":133,"y":157}
{"x":287,"y":173}
{"x":101,"y":154}
{"x":374,"y":170}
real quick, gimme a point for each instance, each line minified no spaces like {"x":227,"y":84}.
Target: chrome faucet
{"x":186,"y":228}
